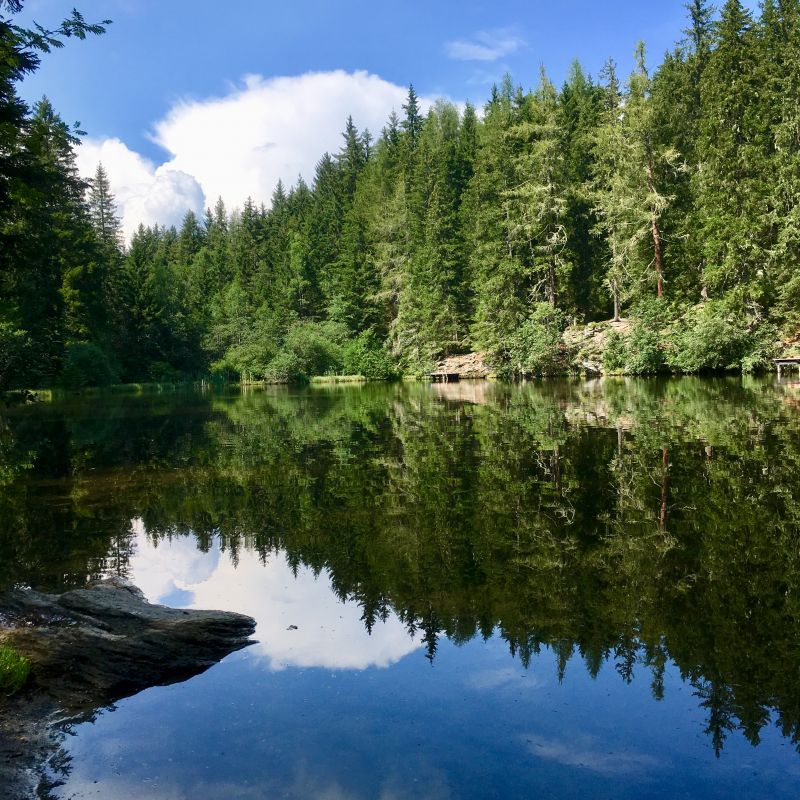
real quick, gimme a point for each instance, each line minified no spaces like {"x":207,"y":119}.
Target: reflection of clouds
{"x":495,"y":678}
{"x":173,"y":566}
{"x":329,"y":633}
{"x":588,"y":753}
{"x":120,"y":789}
{"x":305,"y":787}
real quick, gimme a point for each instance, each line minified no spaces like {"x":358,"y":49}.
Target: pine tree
{"x":540,"y":195}
{"x":496,"y":264}
{"x":630,"y":201}
{"x":580,"y":108}
{"x":413,"y":120}
{"x":728,"y":189}
{"x":103,"y":211}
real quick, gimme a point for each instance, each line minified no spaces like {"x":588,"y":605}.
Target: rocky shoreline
{"x":89,"y":648}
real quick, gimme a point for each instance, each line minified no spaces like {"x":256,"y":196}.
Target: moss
{"x":14,"y":670}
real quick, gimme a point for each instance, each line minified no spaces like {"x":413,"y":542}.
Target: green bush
{"x":162,"y":372}
{"x":643,"y":352}
{"x":764,"y":345}
{"x":315,"y":346}
{"x":87,"y":364}
{"x":714,"y":337}
{"x":537,"y":347}
{"x":614,"y":355}
{"x":365,"y":356}
{"x":15,"y":346}
{"x":14,"y":670}
{"x":285,"y":368}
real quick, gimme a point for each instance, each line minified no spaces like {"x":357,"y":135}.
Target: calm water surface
{"x":560,"y":590}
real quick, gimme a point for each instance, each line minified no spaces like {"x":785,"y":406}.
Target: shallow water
{"x":555,"y":590}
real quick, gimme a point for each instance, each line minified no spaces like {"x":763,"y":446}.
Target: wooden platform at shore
{"x":467,"y":366}
{"x":786,"y":363}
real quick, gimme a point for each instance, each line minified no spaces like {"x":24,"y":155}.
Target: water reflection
{"x":629,"y":523}
{"x":301,"y":622}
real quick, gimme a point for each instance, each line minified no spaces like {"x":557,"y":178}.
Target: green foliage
{"x":308,"y":349}
{"x":537,"y":348}
{"x":365,"y":356}
{"x":315,"y":347}
{"x":14,"y":347}
{"x":439,"y":236}
{"x":644,"y":354}
{"x":712,"y":337}
{"x":285,"y":367}
{"x":85,"y":365}
{"x":644,"y":346}
{"x":14,"y":670}
{"x":615,"y":353}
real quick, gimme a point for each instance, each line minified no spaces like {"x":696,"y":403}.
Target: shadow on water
{"x":625,"y":521}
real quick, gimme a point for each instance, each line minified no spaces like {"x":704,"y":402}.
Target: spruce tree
{"x":103,"y":211}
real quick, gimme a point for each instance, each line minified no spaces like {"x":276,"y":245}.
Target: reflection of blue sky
{"x":469,"y":727}
{"x":328,"y":713}
{"x":328,"y":633}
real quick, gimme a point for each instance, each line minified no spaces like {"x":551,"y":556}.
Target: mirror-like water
{"x":465,"y":591}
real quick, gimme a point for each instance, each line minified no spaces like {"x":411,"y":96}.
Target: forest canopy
{"x":668,"y":198}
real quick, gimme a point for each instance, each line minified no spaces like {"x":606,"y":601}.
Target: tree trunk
{"x":659,"y":255}
{"x":662,"y":518}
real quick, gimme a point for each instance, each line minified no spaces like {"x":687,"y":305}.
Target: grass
{"x":14,"y":670}
{"x":320,"y":379}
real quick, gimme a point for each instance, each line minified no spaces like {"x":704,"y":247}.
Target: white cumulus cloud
{"x":145,"y":193}
{"x":489,"y":45}
{"x":239,"y":145}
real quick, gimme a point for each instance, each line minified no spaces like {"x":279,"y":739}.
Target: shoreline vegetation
{"x":638,"y":225}
{"x":594,"y":350}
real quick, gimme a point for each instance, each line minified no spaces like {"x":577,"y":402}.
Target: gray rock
{"x":105,"y":642}
{"x":89,"y":648}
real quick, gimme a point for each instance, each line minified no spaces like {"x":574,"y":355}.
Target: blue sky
{"x":165,"y":66}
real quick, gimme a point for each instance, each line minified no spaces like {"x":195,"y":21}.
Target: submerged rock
{"x":89,"y":648}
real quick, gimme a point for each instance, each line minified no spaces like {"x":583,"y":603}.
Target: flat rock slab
{"x":89,"y":648}
{"x":99,"y":644}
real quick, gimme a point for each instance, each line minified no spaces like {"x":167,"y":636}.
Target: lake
{"x":553,"y":590}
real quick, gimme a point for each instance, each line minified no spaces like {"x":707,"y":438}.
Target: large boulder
{"x":89,"y":648}
{"x":96,"y":645}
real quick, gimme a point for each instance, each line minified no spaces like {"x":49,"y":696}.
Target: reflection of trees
{"x":624,"y":521}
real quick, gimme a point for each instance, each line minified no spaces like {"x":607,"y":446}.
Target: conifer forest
{"x":666,"y":200}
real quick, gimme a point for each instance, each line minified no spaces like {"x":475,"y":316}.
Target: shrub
{"x":14,"y":670}
{"x":713,"y":337}
{"x":315,"y":347}
{"x":764,"y":345}
{"x":87,"y":364}
{"x":248,"y":360}
{"x":15,"y":346}
{"x":643,"y":353}
{"x":285,"y":368}
{"x":365,"y":356}
{"x":162,"y":372}
{"x":537,"y":348}
{"x":614,"y":354}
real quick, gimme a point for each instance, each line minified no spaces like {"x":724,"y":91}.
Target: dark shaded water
{"x":556,"y":590}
